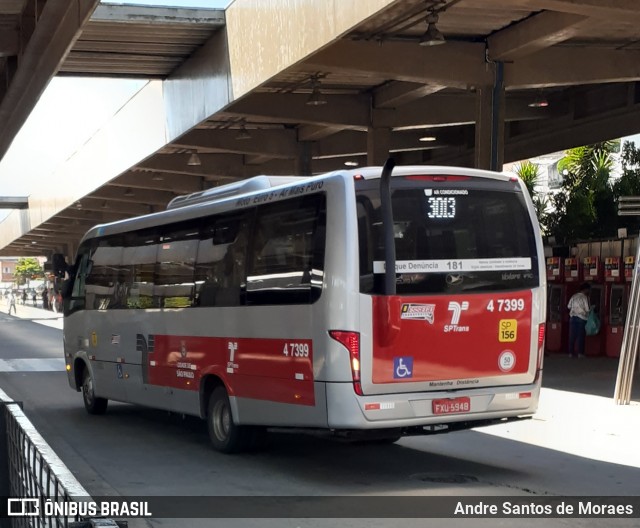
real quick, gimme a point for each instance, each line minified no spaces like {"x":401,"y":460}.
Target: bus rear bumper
{"x":346,"y":410}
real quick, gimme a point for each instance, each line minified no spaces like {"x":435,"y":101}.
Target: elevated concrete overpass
{"x":515,"y":78}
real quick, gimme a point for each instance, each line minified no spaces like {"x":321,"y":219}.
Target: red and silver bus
{"x":371,"y":303}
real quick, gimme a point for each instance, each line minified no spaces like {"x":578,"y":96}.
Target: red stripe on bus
{"x":279,"y":370}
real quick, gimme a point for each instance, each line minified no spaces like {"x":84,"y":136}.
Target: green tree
{"x":529,"y":173}
{"x":585,"y":207}
{"x":27,"y":269}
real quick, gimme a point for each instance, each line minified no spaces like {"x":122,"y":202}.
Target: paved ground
{"x":577,"y":413}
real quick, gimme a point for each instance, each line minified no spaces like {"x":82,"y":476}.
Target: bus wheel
{"x":92,"y":403}
{"x":226,"y":436}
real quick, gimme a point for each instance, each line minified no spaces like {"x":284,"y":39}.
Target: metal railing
{"x":30,"y":469}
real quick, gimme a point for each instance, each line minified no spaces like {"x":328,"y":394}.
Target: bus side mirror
{"x":59,"y":265}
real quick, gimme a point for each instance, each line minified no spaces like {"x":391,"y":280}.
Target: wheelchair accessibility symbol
{"x":403,"y":367}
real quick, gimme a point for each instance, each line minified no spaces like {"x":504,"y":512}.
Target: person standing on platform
{"x":578,"y":314}
{"x":12,"y":303}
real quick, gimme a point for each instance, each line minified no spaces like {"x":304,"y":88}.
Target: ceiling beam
{"x":340,"y":110}
{"x":144,"y":196}
{"x":156,"y":15}
{"x":397,"y":93}
{"x":437,"y":109}
{"x":14,"y":202}
{"x":80,"y":217}
{"x":275,"y":143}
{"x":458,"y":64}
{"x":314,"y":132}
{"x":623,"y":9}
{"x":97,"y":204}
{"x":566,"y":66}
{"x":533,"y":34}
{"x":9,"y":42}
{"x":220,"y":165}
{"x":179,"y":184}
{"x":56,"y":231}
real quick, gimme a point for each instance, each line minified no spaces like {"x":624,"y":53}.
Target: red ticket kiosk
{"x":557,"y":331}
{"x":593,"y":273}
{"x":629,"y":267}
{"x":617,"y":300}
{"x":572,"y":272}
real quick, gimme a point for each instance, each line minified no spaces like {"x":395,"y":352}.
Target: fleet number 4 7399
{"x":296,"y":350}
{"x":506,"y":305}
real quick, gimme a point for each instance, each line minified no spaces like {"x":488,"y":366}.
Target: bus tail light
{"x":541,"y":331}
{"x":351,"y":341}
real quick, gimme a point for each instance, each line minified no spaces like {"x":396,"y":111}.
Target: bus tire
{"x":226,"y":436}
{"x":92,"y":403}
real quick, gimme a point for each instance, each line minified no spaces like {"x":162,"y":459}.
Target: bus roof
{"x":257,"y":184}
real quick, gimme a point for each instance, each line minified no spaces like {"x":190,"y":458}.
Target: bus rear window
{"x":450,"y":236}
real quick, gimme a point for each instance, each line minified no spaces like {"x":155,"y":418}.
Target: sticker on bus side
{"x":462,"y":265}
{"x":420,"y":312}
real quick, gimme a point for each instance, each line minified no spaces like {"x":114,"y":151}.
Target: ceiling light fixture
{"x":316,"y":98}
{"x":427,"y":138}
{"x":243,"y":133}
{"x":351,"y":163}
{"x":194,"y":159}
{"x":157,"y":177}
{"x":539,"y":102}
{"x":432,"y":36}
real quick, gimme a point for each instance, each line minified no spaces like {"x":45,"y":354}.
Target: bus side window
{"x":106,"y":259}
{"x":138,"y":269}
{"x":77,"y":296}
{"x":283,"y":255}
{"x":174,"y":276}
{"x":220,"y":264}
{"x":365,"y":244}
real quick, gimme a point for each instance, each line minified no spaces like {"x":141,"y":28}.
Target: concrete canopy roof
{"x":581,"y":56}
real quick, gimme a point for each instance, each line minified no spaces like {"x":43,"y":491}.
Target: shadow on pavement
{"x":588,"y":375}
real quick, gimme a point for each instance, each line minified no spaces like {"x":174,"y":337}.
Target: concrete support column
{"x":378,"y":145}
{"x":303,"y":160}
{"x":70,"y":251}
{"x":490,"y":111}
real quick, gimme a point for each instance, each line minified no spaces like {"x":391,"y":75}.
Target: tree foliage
{"x":529,"y":173}
{"x":27,"y":269}
{"x":585,"y":207}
